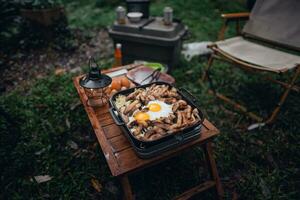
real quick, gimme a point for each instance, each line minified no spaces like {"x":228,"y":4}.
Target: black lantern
{"x":95,"y":85}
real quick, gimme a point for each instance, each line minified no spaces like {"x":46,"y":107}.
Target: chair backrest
{"x":275,"y":21}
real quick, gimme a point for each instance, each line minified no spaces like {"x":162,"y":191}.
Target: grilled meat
{"x":183,"y":114}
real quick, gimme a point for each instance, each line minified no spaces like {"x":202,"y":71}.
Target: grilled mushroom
{"x":196,"y":113}
{"x":149,"y":133}
{"x":136,"y":130}
{"x":181,"y":104}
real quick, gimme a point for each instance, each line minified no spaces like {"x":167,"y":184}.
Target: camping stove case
{"x":150,"y":40}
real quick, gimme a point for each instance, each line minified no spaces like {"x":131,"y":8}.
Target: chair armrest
{"x":237,"y":17}
{"x":243,"y":15}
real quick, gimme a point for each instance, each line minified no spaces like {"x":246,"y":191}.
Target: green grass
{"x":35,"y":136}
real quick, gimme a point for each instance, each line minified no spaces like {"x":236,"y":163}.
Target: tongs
{"x":154,"y":76}
{"x":148,"y":21}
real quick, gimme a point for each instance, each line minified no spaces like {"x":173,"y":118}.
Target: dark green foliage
{"x":10,"y":25}
{"x":18,"y":32}
{"x":101,"y":3}
{"x":40,"y":4}
{"x":35,"y":35}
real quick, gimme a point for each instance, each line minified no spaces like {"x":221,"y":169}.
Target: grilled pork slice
{"x":131,"y":107}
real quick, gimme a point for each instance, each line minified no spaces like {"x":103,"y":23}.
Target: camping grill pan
{"x":149,"y":151}
{"x":187,"y":96}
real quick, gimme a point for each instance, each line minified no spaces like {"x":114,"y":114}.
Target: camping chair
{"x":270,"y":25}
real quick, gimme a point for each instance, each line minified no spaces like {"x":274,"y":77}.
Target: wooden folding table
{"x":122,"y":159}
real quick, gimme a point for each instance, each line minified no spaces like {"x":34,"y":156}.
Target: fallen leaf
{"x":40,"y":151}
{"x":42,"y":178}
{"x":59,"y":71}
{"x":95,"y":145}
{"x":110,"y":186}
{"x":68,"y":123}
{"x":271,"y":160}
{"x":92,"y":156}
{"x":189,"y":71}
{"x":77,"y":153}
{"x":259,"y":142}
{"x":75,"y":105}
{"x":96,"y":185}
{"x":75,"y":70}
{"x":41,"y":106}
{"x":265,"y":190}
{"x":235,"y":196}
{"x":255,"y":125}
{"x":72,"y":144}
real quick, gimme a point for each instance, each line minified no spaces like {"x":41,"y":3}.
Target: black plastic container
{"x":138,"y":6}
{"x":147,"y":149}
{"x":150,"y":40}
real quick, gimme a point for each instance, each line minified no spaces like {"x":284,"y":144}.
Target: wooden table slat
{"x":119,"y":143}
{"x":111,"y":131}
{"x":195,"y":190}
{"x":107,"y":121}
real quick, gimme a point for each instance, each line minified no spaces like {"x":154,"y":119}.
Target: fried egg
{"x":156,"y":109}
{"x":141,"y":116}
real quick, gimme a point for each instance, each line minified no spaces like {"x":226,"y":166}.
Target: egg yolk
{"x":141,"y":116}
{"x":154,"y":107}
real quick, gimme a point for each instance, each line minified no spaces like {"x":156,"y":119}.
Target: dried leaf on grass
{"x":40,"y":151}
{"x":235,"y":195}
{"x":94,"y":145}
{"x":42,"y":178}
{"x":271,"y":160}
{"x":265,"y":190}
{"x":96,"y":184}
{"x":68,"y":122}
{"x":76,"y":70}
{"x":110,"y":186}
{"x":72,"y":144}
{"x":59,"y":71}
{"x":75,"y":105}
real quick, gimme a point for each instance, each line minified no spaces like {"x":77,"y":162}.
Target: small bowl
{"x":134,"y":17}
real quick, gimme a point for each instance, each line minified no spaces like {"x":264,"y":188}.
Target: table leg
{"x":213,"y":168}
{"x":126,"y":188}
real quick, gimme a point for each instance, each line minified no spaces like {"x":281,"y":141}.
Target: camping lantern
{"x":95,"y":85}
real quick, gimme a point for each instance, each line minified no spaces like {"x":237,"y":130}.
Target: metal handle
{"x":146,"y":23}
{"x":91,"y":66}
{"x":188,"y":95}
{"x":116,"y":118}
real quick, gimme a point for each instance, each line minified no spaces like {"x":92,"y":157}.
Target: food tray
{"x":185,"y":96}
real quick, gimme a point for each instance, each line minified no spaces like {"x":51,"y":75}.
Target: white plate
{"x":134,"y":16}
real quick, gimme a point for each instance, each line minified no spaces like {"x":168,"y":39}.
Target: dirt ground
{"x":27,"y":66}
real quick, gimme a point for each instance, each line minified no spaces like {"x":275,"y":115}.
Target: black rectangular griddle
{"x":148,"y":149}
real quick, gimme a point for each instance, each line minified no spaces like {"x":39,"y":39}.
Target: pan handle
{"x":188,"y":95}
{"x":116,"y":118}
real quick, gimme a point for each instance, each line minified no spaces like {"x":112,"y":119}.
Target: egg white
{"x":165,"y":111}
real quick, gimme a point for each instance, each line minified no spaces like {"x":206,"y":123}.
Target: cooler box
{"x":150,"y":40}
